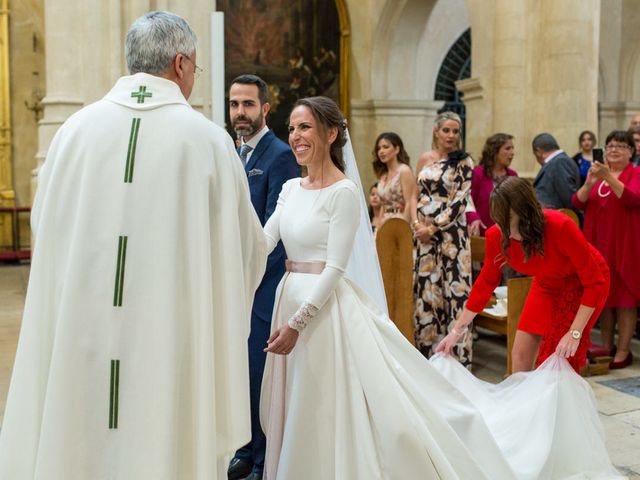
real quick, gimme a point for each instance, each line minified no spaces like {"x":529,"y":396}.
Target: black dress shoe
{"x":238,"y":469}
{"x":254,"y":476}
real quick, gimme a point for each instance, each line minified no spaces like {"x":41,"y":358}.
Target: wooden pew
{"x":394,"y":242}
{"x":517,"y":291}
{"x":571,"y":214}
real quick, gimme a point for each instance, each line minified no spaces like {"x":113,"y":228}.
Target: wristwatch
{"x":577,"y":334}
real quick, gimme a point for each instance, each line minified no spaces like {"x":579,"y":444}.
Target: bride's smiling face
{"x":307,"y":137}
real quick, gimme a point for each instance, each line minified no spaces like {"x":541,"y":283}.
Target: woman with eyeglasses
{"x":443,"y":258}
{"x":610,"y":198}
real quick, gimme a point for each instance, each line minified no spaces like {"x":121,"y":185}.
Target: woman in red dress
{"x":610,"y":198}
{"x":570,"y":284}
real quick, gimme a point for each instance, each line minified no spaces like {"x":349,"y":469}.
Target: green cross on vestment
{"x":140,"y":94}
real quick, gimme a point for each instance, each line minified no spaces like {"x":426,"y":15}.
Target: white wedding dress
{"x":355,"y":401}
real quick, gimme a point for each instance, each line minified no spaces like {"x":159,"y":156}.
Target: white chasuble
{"x":132,"y":359}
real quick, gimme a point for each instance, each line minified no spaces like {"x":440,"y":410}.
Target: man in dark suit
{"x":269,"y":163}
{"x":559,"y":177}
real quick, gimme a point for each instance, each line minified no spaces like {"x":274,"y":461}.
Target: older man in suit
{"x":269,"y":163}
{"x":559,"y":177}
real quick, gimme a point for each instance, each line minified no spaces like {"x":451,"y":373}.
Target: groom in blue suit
{"x":269,"y":163}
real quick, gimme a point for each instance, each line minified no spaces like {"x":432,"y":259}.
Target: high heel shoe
{"x":628,"y":360}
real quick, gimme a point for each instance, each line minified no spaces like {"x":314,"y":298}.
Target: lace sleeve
{"x":303,"y":316}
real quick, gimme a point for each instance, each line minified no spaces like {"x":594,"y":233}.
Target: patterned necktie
{"x":244,"y":151}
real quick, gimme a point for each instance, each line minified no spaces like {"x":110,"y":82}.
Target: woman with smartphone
{"x":610,"y":198}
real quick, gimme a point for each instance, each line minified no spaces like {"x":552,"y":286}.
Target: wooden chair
{"x":477,"y":249}
{"x":394,"y":242}
{"x":571,"y":214}
{"x":517,"y":291}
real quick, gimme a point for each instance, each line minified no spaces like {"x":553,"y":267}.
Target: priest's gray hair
{"x":154,"y":40}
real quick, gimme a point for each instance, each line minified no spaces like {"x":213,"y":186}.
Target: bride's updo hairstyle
{"x":516,"y":193}
{"x":327,"y":113}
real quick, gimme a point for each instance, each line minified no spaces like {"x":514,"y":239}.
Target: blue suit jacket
{"x":271,"y":164}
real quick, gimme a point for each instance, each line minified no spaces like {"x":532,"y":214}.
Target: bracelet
{"x":415,"y":223}
{"x":458,"y":332}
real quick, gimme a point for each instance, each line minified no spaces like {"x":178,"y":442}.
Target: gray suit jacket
{"x":557,"y":181}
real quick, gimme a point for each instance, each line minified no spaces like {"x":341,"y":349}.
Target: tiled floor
{"x":619,"y":411}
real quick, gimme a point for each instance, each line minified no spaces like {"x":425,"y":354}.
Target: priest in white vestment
{"x":132,"y":359}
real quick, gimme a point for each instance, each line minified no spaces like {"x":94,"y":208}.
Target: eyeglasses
{"x":617,"y":146}
{"x":196,"y":69}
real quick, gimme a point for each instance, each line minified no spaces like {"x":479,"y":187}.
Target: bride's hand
{"x":282,"y":341}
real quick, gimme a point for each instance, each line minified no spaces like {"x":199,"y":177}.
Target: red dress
{"x":612,"y":225}
{"x":571,"y":272}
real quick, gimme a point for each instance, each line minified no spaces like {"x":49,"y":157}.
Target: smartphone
{"x":598,"y":155}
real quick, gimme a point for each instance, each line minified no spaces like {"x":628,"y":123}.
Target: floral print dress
{"x":442,"y":275}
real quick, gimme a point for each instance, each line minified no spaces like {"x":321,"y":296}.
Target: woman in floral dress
{"x":442,"y":278}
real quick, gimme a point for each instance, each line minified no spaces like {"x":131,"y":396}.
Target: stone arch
{"x":411,"y":41}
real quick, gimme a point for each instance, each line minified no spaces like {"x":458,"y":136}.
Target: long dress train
{"x":354,"y":400}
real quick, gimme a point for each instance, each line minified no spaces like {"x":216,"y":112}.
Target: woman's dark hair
{"x":403,"y":157}
{"x":492,"y":146}
{"x":327,"y":113}
{"x":622,"y":136}
{"x":594,"y":141}
{"x":516,"y":194}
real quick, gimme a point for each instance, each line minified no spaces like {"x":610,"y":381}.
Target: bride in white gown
{"x":346,"y":397}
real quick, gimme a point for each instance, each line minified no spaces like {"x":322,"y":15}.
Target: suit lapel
{"x":539,"y":176}
{"x":260,"y":148}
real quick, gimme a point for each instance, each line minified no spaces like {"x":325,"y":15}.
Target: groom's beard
{"x":249,"y":129}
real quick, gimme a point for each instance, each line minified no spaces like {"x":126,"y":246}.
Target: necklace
{"x":603,"y":195}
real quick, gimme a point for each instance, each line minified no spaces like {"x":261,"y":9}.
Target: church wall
{"x":542,"y":76}
{"x":619,"y":97}
{"x":27,"y":87}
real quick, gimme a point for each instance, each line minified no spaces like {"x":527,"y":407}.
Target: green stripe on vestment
{"x":114,"y":390}
{"x":120,"y":262}
{"x":131,"y":151}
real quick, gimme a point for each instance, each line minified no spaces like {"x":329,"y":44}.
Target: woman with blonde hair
{"x":443,"y":257}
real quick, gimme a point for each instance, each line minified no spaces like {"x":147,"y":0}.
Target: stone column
{"x":64,"y":69}
{"x":564,"y":80}
{"x":534,"y":69}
